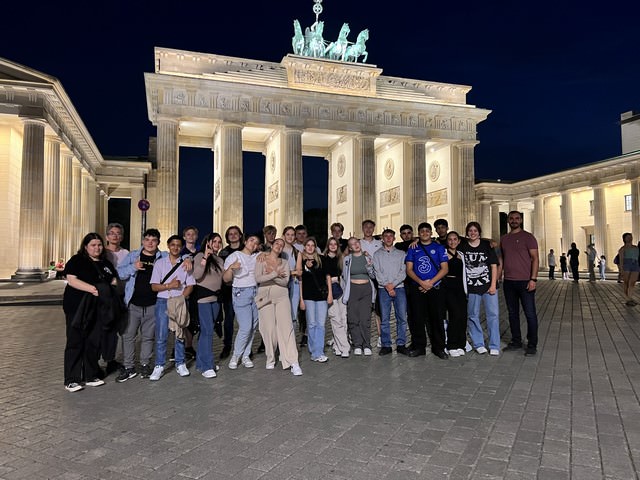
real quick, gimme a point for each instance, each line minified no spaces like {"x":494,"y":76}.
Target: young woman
{"x":358,"y":296}
{"x":207,"y":270}
{"x":629,"y":267}
{"x":337,"y":310}
{"x":455,"y":295}
{"x":481,"y":268}
{"x":315,"y":296}
{"x":239,"y":267}
{"x":89,"y":275}
{"x":291,"y":255}
{"x":574,"y":261}
{"x":272,"y":274}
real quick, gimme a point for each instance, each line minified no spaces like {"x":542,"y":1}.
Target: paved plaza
{"x":572,"y":411}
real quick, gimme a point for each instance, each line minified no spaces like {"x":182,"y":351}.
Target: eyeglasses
{"x":114,"y":234}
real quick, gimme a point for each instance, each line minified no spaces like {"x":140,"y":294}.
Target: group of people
{"x":436,"y":285}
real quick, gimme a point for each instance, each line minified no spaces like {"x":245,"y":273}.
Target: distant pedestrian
{"x":602,"y":266}
{"x":551,"y":261}
{"x":563,"y":266}
{"x":574,"y":261}
{"x":591,"y":261}
{"x":629,"y":267}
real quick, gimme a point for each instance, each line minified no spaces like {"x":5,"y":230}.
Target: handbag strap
{"x":171,"y":271}
{"x":436,"y":265}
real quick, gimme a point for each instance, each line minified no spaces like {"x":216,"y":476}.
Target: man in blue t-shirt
{"x":427,"y":264}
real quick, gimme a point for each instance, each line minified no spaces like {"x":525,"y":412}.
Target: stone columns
{"x":635,"y":208}
{"x":485,"y":219}
{"x":538,"y":229}
{"x":76,"y":207}
{"x":102,"y":210}
{"x":567,"y":220}
{"x":364,"y":180}
{"x":30,"y":244}
{"x":64,"y":216}
{"x":52,"y":221}
{"x":495,"y":221}
{"x":465,"y":189}
{"x":291,"y":183}
{"x":135,"y":220}
{"x":167,"y":180}
{"x":228,"y":189}
{"x":600,"y":219}
{"x":414,"y":193}
{"x":85,"y":213}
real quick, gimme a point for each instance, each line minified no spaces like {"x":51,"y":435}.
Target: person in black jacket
{"x":89,"y":274}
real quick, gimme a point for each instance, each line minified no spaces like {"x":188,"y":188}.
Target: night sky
{"x":556,"y":75}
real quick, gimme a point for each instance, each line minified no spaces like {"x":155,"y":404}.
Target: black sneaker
{"x":385,"y":351}
{"x":226,"y":351}
{"x":513,"y":346}
{"x":113,"y":366}
{"x":530,"y":351}
{"x":303,"y":341}
{"x":190,"y":353}
{"x":126,"y":374}
{"x":145,"y":371}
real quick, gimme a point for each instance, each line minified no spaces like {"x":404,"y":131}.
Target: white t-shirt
{"x":161,"y":268}
{"x":370,"y":247}
{"x":117,"y":257}
{"x":245,"y":275}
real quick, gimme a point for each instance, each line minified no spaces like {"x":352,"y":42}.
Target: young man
{"x":406,"y":234}
{"x":136,"y":270}
{"x":301,"y":237}
{"x":190,"y":248}
{"x":235,"y":241}
{"x":269,"y":232}
{"x":169,"y":282}
{"x":442,"y":227}
{"x":520,"y":266}
{"x":371,"y":245}
{"x":390,"y":271}
{"x":427,"y":264}
{"x":551,"y":261}
{"x":337,"y":230}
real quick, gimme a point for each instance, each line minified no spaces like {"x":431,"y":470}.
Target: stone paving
{"x":572,"y":411}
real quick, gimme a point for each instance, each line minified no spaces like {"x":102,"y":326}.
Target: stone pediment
{"x":304,"y":73}
{"x":20,"y":73}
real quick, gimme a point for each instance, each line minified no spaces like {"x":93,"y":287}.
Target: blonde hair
{"x":314,"y":255}
{"x":338,"y":252}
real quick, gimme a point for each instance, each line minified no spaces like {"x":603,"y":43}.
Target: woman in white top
{"x":240,"y":267}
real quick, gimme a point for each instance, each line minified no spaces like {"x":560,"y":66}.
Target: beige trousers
{"x":276,"y":326}
{"x":338,"y":316}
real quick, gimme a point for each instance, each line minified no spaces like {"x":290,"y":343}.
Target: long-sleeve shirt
{"x":389,"y":267}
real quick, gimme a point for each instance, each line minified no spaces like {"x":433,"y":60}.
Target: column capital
{"x":167,"y":119}
{"x":34,"y":121}
{"x":53,"y":139}
{"x":466,"y":143}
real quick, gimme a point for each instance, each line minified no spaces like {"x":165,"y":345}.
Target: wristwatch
{"x":533,"y":279}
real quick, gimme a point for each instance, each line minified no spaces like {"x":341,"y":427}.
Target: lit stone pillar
{"x":495,"y":221}
{"x":52,"y":221}
{"x":291,"y":183}
{"x":65,"y":202}
{"x":85,"y":212}
{"x":76,"y":206}
{"x":538,"y":229}
{"x":414,"y":193}
{"x":635,"y":208}
{"x":101,"y":211}
{"x":466,"y":186}
{"x":31,"y":245}
{"x":567,"y":220}
{"x":600,"y":219}
{"x":485,"y":219}
{"x":513,"y":206}
{"x":330,"y":214}
{"x":527,"y":220}
{"x":135,"y":221}
{"x":229,"y":200}
{"x":364,"y":180}
{"x":167,"y":182}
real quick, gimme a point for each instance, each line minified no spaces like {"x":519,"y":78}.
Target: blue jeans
{"x":316,"y":318}
{"x":244,"y":305}
{"x":207,"y":312}
{"x":491,"y":311}
{"x":514,"y":291}
{"x":162,"y":334}
{"x":294,"y":298}
{"x":400,"y":306}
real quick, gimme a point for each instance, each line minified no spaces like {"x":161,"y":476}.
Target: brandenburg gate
{"x":398,"y":150}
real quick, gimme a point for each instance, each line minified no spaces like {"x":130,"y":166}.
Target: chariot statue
{"x":336,"y":50}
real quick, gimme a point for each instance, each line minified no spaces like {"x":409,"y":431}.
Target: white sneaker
{"x":344,"y":354}
{"x":246,"y":361}
{"x":357,"y":351}
{"x":378,"y":344}
{"x":330,"y":342}
{"x":461,"y":352}
{"x":233,"y":363}
{"x":73,"y":387}
{"x":495,"y":352}
{"x":182,"y":370}
{"x":96,"y":382}
{"x":454,"y":353}
{"x":481,"y":350}
{"x":321,"y":359}
{"x":270,"y":366}
{"x":296,"y":370}
{"x":209,"y":374}
{"x":157,"y":373}
{"x":367,"y":352}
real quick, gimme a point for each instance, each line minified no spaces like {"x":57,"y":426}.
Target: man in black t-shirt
{"x":136,"y":269}
{"x":235,"y":241}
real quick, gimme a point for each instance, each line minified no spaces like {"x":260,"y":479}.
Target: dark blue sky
{"x":557,"y":75}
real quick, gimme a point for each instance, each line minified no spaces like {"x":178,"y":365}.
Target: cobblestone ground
{"x":570,"y":412}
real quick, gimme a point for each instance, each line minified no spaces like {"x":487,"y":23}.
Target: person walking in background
{"x":591,"y":261}
{"x":563,"y":266}
{"x":574,"y":261}
{"x":520,"y":267}
{"x":602,"y":266}
{"x":629,"y":266}
{"x":551,"y":262}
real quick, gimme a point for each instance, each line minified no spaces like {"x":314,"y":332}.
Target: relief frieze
{"x":390,"y":197}
{"x":341,"y":194}
{"x":273,"y":192}
{"x":437,"y":198}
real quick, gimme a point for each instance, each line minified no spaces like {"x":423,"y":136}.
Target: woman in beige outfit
{"x":274,"y":309}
